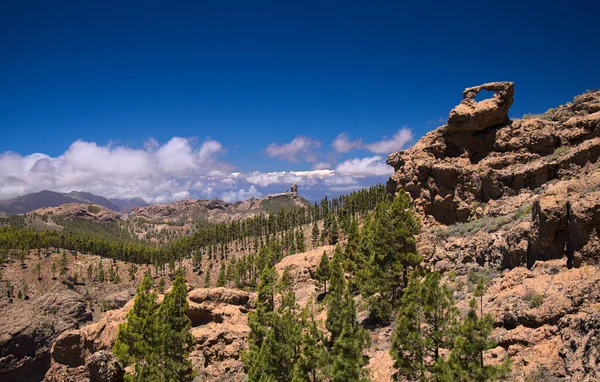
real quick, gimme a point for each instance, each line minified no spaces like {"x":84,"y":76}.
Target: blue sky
{"x":113,"y":82}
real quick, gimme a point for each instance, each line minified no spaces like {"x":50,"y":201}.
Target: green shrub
{"x":535,"y":300}
{"x":523,"y":211}
{"x":560,"y":151}
{"x":94,"y":209}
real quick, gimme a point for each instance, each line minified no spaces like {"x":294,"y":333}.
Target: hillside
{"x":513,"y":205}
{"x":30,"y":202}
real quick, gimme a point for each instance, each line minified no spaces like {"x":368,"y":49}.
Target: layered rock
{"x":461,"y":173}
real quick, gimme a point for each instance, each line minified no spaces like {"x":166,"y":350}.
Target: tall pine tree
{"x":175,"y":339}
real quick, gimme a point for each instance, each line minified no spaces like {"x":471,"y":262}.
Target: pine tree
{"x":466,"y":359}
{"x":222,"y":279}
{"x":392,"y":255}
{"x":334,"y":233}
{"x":425,"y":325}
{"x":315,"y":234}
{"x":323,"y":272}
{"x":348,"y":347}
{"x":300,"y":240}
{"x":351,"y":263}
{"x":260,"y":319}
{"x":54,"y":270}
{"x":137,"y":339}
{"x":336,"y":304}
{"x":207,"y":276}
{"x":175,"y":339}
{"x":63,"y":263}
{"x":312,"y":357}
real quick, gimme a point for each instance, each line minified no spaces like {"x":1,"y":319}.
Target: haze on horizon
{"x":240,"y":100}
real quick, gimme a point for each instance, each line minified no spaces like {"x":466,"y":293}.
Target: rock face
{"x":28,"y":330}
{"x":517,"y":202}
{"x":482,"y":166}
{"x":219,"y":325}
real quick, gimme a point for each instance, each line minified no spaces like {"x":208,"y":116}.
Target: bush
{"x":560,"y":151}
{"x":486,"y":275}
{"x":535,"y":300}
{"x":94,"y":209}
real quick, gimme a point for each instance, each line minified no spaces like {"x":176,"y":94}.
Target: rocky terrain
{"x":80,"y":211}
{"x":536,"y":180}
{"x":515,"y":203}
{"x":215,"y":210}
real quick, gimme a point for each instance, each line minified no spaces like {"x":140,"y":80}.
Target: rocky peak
{"x":472,"y":116}
{"x":482,"y":168}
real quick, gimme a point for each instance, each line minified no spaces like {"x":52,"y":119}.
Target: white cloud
{"x":388,"y":146}
{"x":342,"y":144}
{"x":241,"y":194}
{"x":299,"y":147}
{"x":361,"y":167}
{"x":155,"y":173}
{"x":178,"y":169}
{"x":321,"y":166}
{"x":309,"y":178}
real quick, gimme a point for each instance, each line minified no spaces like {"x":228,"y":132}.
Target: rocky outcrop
{"x":80,"y":211}
{"x":219,"y":325}
{"x":215,"y":210}
{"x":29,"y":329}
{"x":533,"y":181}
{"x":472,"y":116}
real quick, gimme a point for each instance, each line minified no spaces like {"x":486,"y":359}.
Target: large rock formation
{"x":29,"y":328}
{"x":481,"y":168}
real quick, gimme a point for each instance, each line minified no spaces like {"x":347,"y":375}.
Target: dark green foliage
{"x":392,"y":247}
{"x":207,"y":276}
{"x":465,"y":362}
{"x":347,"y":351}
{"x":425,"y":324}
{"x":336,"y":303}
{"x":275,"y":335}
{"x":312,"y":359}
{"x":137,"y":338}
{"x":222,"y":278}
{"x":156,"y":339}
{"x":173,"y":327}
{"x":315,"y":234}
{"x":300,"y":245}
{"x":323,"y":272}
{"x":428,"y":323}
{"x":94,"y":209}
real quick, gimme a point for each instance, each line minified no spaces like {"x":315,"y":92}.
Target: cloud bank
{"x":178,"y":169}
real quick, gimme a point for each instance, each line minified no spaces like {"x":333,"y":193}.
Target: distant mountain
{"x":30,"y":202}
{"x":218,"y":211}
{"x":126,"y":205}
